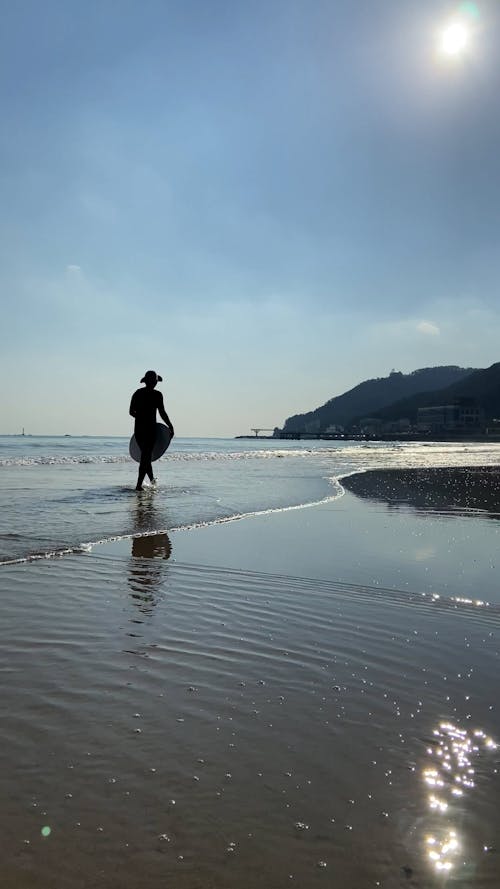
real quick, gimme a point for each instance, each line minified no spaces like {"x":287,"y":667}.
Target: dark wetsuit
{"x":143,"y":406}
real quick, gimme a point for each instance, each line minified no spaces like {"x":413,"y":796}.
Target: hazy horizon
{"x":248,"y":431}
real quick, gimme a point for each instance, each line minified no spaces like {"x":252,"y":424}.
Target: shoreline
{"x":353,"y":539}
{"x":460,"y":491}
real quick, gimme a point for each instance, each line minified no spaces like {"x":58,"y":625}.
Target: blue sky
{"x":267,"y":202}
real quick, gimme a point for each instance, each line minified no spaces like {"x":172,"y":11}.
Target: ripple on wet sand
{"x":210,"y":727}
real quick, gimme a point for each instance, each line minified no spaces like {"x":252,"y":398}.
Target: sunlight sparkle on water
{"x":453,"y":774}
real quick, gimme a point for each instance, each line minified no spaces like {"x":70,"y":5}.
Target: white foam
{"x":362,"y":455}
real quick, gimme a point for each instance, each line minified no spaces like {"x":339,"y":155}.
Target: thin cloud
{"x":428,"y":328}
{"x":408,"y":329}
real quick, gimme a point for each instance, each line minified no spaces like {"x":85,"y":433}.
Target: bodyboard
{"x":162,"y":441}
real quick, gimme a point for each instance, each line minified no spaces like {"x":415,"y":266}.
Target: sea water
{"x":61,"y":492}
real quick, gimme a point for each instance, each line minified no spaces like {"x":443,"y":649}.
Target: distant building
{"x":333,"y":429}
{"x":464,"y":416}
{"x":370,"y":425}
{"x":312,"y":426}
{"x":401,"y":425}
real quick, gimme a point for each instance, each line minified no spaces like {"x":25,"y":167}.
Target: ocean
{"x":61,"y":493}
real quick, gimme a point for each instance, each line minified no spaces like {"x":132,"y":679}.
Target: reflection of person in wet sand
{"x":149,"y":554}
{"x":151,"y":546}
{"x":147,"y":570}
{"x":143,"y":406}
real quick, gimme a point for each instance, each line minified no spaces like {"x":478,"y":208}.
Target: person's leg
{"x":145,"y":468}
{"x":141,"y":475}
{"x":149,"y":469}
{"x":145,"y":443}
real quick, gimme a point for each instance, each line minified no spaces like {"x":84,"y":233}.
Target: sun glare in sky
{"x":455,"y":39}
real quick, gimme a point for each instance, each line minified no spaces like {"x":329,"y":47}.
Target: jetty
{"x":304,"y":434}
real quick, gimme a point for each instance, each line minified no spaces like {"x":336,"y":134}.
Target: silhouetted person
{"x":143,"y":406}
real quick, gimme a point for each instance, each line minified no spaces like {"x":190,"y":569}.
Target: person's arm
{"x":132,"y":409}
{"x":163,"y":414}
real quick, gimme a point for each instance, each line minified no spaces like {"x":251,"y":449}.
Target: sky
{"x":265,"y":202}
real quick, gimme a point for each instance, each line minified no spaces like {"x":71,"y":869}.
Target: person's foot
{"x":139,"y":488}
{"x":153,"y":481}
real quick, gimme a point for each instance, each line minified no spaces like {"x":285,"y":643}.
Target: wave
{"x":181,"y":456}
{"x":60,"y":460}
{"x":363,"y":454}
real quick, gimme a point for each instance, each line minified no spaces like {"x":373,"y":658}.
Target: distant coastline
{"x":472,"y":438}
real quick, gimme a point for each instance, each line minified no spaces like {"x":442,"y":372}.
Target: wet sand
{"x":275,"y":700}
{"x":461,"y":489}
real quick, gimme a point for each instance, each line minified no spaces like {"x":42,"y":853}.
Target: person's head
{"x":151,"y":378}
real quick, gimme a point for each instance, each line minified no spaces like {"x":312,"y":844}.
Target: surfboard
{"x":163,"y":439}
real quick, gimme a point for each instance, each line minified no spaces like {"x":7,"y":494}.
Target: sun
{"x":454,"y":39}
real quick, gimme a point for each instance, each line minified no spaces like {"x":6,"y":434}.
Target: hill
{"x":481,"y":385}
{"x":370,"y":397}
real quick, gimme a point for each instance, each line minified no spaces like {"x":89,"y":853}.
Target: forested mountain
{"x":481,"y":385}
{"x":370,"y":397}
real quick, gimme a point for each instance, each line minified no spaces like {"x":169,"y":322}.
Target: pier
{"x":258,"y":429}
{"x":303,"y":435}
{"x":311,"y":436}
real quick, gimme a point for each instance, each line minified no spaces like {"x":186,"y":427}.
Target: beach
{"x":250,"y":445}
{"x":305,"y":696}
